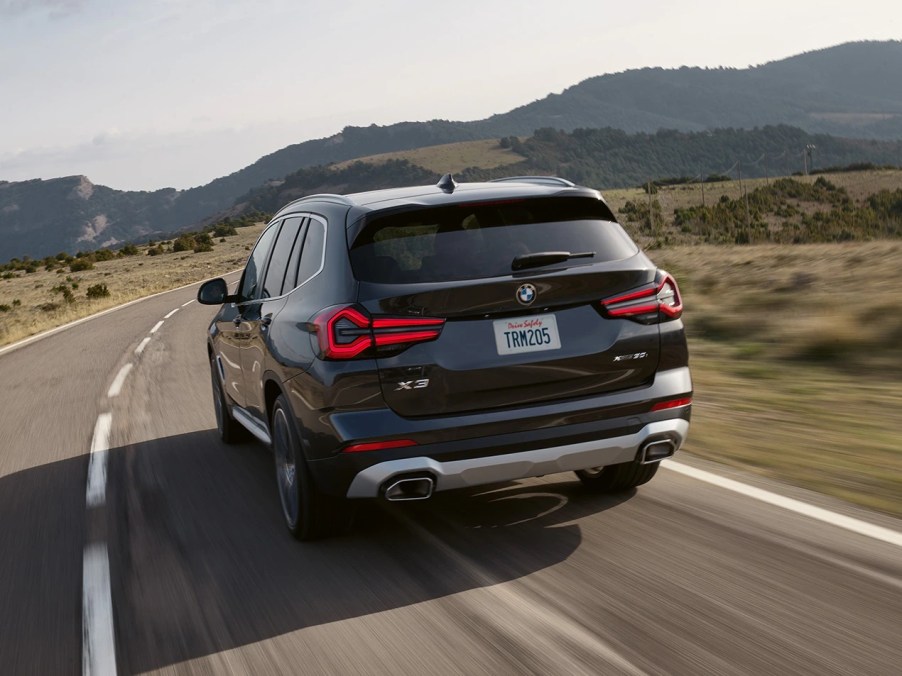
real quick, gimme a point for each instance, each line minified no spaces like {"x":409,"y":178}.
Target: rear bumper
{"x":371,"y":482}
{"x":480,"y":448}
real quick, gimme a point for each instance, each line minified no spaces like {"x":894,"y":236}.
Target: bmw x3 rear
{"x":395,"y":343}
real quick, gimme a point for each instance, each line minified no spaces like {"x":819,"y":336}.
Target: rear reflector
{"x":673,"y":403}
{"x":378,"y":446}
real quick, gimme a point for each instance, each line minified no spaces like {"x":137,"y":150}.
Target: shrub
{"x":80,"y":264}
{"x":65,"y":291}
{"x":49,"y":307}
{"x":103,"y":255}
{"x":98,"y":291}
{"x":224,"y":230}
{"x":16,"y":302}
{"x":129,"y":250}
{"x":184,"y":243}
{"x":4,"y":308}
{"x":154,"y":251}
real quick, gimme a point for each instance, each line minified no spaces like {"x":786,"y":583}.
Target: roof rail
{"x":542,"y":180}
{"x":322,"y":196}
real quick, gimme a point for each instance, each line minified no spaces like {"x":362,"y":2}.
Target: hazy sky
{"x":143,"y":94}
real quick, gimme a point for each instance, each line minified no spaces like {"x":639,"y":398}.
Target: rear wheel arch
{"x":271,"y":391}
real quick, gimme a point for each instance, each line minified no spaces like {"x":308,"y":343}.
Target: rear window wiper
{"x":540,"y":258}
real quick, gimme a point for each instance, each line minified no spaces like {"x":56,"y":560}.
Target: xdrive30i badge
{"x":526,"y":294}
{"x":629,"y":357}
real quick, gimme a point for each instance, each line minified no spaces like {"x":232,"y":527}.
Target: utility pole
{"x":744,"y":194}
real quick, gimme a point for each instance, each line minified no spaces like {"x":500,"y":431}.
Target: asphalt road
{"x":538,"y":576}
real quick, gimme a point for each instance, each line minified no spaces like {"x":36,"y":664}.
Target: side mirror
{"x":214,"y":292}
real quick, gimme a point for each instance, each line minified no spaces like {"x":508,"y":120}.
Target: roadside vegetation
{"x":796,"y":363}
{"x":41,"y":294}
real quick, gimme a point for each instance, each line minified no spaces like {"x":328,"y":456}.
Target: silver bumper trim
{"x":510,"y":466}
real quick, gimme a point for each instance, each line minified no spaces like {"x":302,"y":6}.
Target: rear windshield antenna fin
{"x":447,"y":183}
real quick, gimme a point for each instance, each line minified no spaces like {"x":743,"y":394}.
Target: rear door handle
{"x":266,"y":320}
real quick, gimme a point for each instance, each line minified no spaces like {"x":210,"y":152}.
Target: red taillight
{"x":378,"y":446}
{"x":343,"y":334}
{"x":347,"y":333}
{"x":672,"y":403}
{"x":392,"y":331}
{"x":664,"y":298}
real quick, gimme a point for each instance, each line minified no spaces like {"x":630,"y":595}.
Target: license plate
{"x":527,"y":334}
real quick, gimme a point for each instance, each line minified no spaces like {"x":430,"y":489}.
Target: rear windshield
{"x":470,"y":241}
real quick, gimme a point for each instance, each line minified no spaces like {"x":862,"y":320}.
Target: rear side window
{"x":469,"y":241}
{"x":252,"y":281}
{"x":312,"y":253}
{"x":278,"y":263}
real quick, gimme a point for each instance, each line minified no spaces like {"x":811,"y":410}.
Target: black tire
{"x":230,"y":431}
{"x":309,"y":515}
{"x":616,"y":478}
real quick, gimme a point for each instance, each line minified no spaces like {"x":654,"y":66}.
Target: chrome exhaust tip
{"x":414,"y":488}
{"x":656,"y":451}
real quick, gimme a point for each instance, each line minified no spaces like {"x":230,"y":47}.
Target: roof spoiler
{"x":541,"y":180}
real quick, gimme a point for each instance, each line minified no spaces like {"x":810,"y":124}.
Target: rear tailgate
{"x":493,"y":352}
{"x":509,"y":338}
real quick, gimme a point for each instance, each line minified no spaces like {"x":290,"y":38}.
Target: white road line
{"x":156,"y":327}
{"x":119,"y":381}
{"x":100,"y":445}
{"x":98,"y":649}
{"x":142,"y":345}
{"x":188,"y":303}
{"x":171,"y":313}
{"x":855,"y":525}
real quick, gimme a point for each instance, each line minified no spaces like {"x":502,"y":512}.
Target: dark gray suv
{"x":399,"y":342}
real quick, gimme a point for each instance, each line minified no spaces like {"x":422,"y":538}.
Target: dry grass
{"x":796,"y":362}
{"x":450,"y":157}
{"x":126,"y":278}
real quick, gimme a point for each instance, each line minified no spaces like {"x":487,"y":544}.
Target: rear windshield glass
{"x":470,"y":241}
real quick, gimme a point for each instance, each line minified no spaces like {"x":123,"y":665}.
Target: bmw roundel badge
{"x":526,"y":294}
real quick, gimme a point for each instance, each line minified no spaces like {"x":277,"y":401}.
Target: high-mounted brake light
{"x":664,"y":298}
{"x":346,"y":333}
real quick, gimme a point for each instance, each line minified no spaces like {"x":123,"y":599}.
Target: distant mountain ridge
{"x":601,"y":157}
{"x":852,"y":90}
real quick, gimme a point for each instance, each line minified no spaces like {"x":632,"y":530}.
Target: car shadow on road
{"x":42,"y":538}
{"x":201,"y":561}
